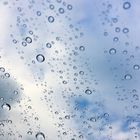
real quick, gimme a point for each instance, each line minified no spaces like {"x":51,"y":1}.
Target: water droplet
{"x":67,"y":117}
{"x":81,"y":73}
{"x":28,"y":39}
{"x":24,"y":43}
{"x":126,"y":5}
{"x":1,"y":98}
{"x":7,"y":75}
{"x":40,"y":58}
{"x":61,"y":10}
{"x":1,"y":124}
{"x":6,"y":106}
{"x":40,"y":136}
{"x":14,"y":41}
{"x":125,"y":52}
{"x":48,"y":45}
{"x":115,"y":20}
{"x":117,"y":29}
{"x":115,"y":39}
{"x":38,"y":13}
{"x":2,"y":69}
{"x":69,"y":7}
{"x":136,"y":67}
{"x":15,"y":92}
{"x":81,"y":48}
{"x":88,"y":91}
{"x":65,"y":82}
{"x":125,"y":30}
{"x":31,"y":32}
{"x":51,"y":19}
{"x":105,"y":33}
{"x":93,"y":119}
{"x":51,"y":6}
{"x":112,"y":51}
{"x":29,"y":132}
{"x":128,"y":77}
{"x":59,"y":1}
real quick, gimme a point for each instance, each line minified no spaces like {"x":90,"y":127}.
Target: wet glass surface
{"x":69,"y":70}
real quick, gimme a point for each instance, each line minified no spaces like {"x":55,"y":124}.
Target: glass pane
{"x":69,"y":70}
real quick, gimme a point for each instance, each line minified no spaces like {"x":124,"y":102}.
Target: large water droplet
{"x":136,"y":67}
{"x":112,"y":51}
{"x":40,"y":58}
{"x":126,"y":5}
{"x":128,"y":77}
{"x":40,"y":136}
{"x":51,"y":19}
{"x":6,"y":106}
{"x":28,"y":39}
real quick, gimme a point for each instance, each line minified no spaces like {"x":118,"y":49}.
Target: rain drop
{"x":82,"y":48}
{"x":6,"y":106}
{"x":136,"y":67}
{"x":51,"y":6}
{"x":128,"y":77}
{"x":69,"y":7}
{"x":28,"y":40}
{"x":112,"y":51}
{"x":61,"y":10}
{"x":48,"y":45}
{"x":38,"y":13}
{"x":126,"y":5}
{"x":88,"y":92}
{"x":40,"y":136}
{"x":125,"y":30}
{"x":40,"y":58}
{"x":51,"y":19}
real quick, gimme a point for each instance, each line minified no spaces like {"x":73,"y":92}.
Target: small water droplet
{"x":48,"y":45}
{"x":117,"y":29}
{"x":2,"y":69}
{"x":61,"y":10}
{"x":93,"y":119}
{"x":88,"y":91}
{"x":67,"y":117}
{"x":24,"y":43}
{"x":51,"y":19}
{"x":81,"y":48}
{"x":51,"y":6}
{"x":81,"y":73}
{"x":38,"y":13}
{"x":40,"y":58}
{"x":126,"y":5}
{"x":115,"y":39}
{"x":7,"y":75}
{"x":28,"y":40}
{"x":59,"y":1}
{"x":29,"y":132}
